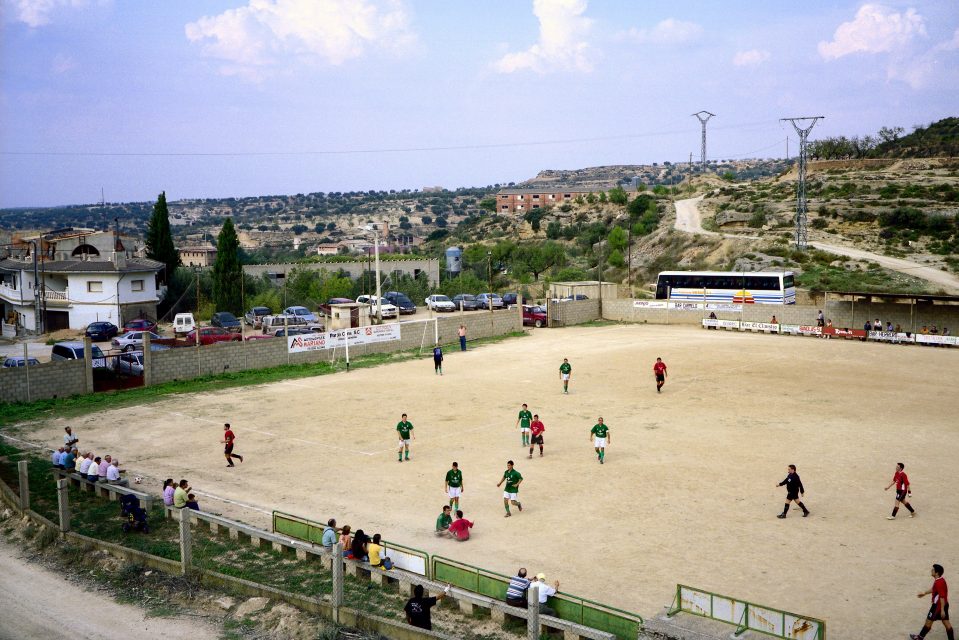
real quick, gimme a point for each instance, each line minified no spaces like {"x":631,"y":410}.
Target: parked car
{"x":485,"y":300}
{"x":438,"y":302}
{"x":132,"y":340}
{"x":226,"y":320}
{"x":325,"y":307}
{"x":19,"y":361}
{"x":254,"y":317}
{"x":183,"y":323}
{"x":131,"y":362}
{"x":74,"y":351}
{"x":509,"y":299}
{"x":468,"y":301}
{"x":257,"y":336}
{"x":578,"y":296}
{"x":389,"y":310}
{"x":210,"y":335}
{"x":140,"y":324}
{"x":269,"y":324}
{"x":101,"y":331}
{"x":402,"y":301}
{"x":301,"y":312}
{"x":292,"y":331}
{"x":534,"y":315}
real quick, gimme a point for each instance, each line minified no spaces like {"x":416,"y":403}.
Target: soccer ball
{"x":138,"y":480}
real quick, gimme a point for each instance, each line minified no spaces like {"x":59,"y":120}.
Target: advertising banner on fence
{"x":809,"y":330}
{"x":725,"y":324}
{"x":889,"y":336}
{"x":936,"y":339}
{"x":759,"y":326}
{"x":339,"y":338}
{"x":844,"y":333}
{"x":686,"y":306}
{"x":792,"y":329}
{"x":649,"y":304}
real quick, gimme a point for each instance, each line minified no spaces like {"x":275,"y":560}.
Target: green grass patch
{"x":819,"y":277}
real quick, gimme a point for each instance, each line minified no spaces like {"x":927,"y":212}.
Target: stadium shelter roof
{"x":895,"y":298}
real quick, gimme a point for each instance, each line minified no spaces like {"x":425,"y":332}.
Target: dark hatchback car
{"x":226,"y":320}
{"x":509,"y":299}
{"x":101,"y":331}
{"x":401,"y":301}
{"x":141,"y":324}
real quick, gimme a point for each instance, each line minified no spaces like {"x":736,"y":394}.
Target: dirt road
{"x":689,"y":220}
{"x":38,"y":603}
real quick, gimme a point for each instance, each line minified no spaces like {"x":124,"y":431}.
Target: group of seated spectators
{"x":93,"y":467}
{"x":458,"y":529}
{"x":356,"y":546}
{"x":518,"y":591}
{"x":178,"y":496}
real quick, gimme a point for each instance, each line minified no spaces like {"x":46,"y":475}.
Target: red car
{"x":141,"y":324}
{"x":534,"y":315}
{"x":209,"y":335}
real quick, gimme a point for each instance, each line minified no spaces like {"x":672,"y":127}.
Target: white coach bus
{"x":734,"y":287}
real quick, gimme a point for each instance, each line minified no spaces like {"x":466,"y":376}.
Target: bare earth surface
{"x":38,"y":603}
{"x":688,"y":492}
{"x":688,"y":219}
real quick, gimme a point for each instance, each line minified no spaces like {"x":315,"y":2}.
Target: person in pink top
{"x":168,"y":488}
{"x":104,"y":467}
{"x":460,"y":528}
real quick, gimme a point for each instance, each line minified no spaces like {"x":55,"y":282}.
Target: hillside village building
{"x":521,"y":200}
{"x":202,"y":257}
{"x":81,"y":276}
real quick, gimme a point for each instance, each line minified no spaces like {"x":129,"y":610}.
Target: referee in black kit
{"x":794,"y":491}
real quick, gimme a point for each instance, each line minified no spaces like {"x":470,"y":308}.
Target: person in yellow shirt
{"x":181,"y":494}
{"x":375,"y":551}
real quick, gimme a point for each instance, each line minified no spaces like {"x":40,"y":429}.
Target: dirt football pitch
{"x":688,"y":491}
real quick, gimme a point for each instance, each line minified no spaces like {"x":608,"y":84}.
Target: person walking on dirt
{"x":601,"y":437}
{"x":513,"y":479}
{"x":659,"y":372}
{"x":438,"y":360}
{"x":794,"y":491}
{"x":901,"y":480}
{"x":405,"y":429}
{"x":940,"y":605}
{"x":228,"y":438}
{"x":536,"y":429}
{"x":565,"y":370}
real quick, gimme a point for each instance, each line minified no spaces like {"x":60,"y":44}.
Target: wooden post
{"x":24,"y":485}
{"x":337,"y":595}
{"x":63,"y":504}
{"x":532,"y":616}
{"x":186,"y":546}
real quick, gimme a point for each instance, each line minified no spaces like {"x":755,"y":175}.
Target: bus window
{"x":788,"y":282}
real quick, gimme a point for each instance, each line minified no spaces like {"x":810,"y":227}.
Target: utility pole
{"x":802,"y":129}
{"x":703,"y":117}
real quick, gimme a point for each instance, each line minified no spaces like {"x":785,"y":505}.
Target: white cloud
{"x":62,"y":63}
{"x":562,"y":40}
{"x":37,"y":13}
{"x":875,"y":29}
{"x":751,"y":58}
{"x":266,"y":33}
{"x":668,"y":31}
{"x":949,"y":45}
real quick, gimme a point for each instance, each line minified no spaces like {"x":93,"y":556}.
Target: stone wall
{"x":573,"y":312}
{"x":48,"y":380}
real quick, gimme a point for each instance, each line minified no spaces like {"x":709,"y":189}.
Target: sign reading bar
{"x":339,"y":338}
{"x":759,"y":326}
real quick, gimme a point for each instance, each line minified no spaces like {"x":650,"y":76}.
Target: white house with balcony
{"x":72,"y":293}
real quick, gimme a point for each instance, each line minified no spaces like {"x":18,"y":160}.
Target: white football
{"x":138,"y":480}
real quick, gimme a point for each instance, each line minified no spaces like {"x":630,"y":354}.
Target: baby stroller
{"x":134,"y":516}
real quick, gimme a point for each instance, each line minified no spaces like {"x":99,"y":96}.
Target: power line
{"x":703,"y":117}
{"x":802,"y":129}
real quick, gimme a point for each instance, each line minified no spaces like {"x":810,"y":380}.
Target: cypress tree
{"x":227,"y":271}
{"x":160,"y":238}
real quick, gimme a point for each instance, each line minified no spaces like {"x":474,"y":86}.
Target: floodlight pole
{"x":376,"y":253}
{"x":704,"y":117}
{"x":802,"y":130}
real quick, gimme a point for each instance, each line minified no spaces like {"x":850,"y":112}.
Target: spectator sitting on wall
{"x":418,"y":608}
{"x":443,"y":521}
{"x":102,"y":471}
{"x":359,"y":546}
{"x":934,"y":331}
{"x":69,"y":459}
{"x":85,"y":463}
{"x":924,"y":331}
{"x":79,"y":460}
{"x":181,"y":494}
{"x":329,"y":534}
{"x":898,"y":328}
{"x":113,"y":473}
{"x":877,"y":325}
{"x":516,"y":591}
{"x":168,"y":488}
{"x":93,"y":471}
{"x":346,"y":541}
{"x":819,"y":319}
{"x":56,"y":458}
{"x":375,"y":552}
{"x":191,"y":502}
{"x":460,"y":529}
{"x":774,"y":321}
{"x":712,"y":316}
{"x":889,"y":326}
{"x":544,"y":591}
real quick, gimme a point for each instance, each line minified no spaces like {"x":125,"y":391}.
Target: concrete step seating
{"x":112,"y":491}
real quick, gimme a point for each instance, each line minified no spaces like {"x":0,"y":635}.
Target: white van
{"x":183,"y":323}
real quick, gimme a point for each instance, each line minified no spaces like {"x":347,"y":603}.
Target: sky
{"x":221,"y":98}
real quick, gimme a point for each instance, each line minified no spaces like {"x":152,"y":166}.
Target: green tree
{"x":554,"y":230}
{"x":227,"y":271}
{"x":538,"y":258}
{"x":160,"y":239}
{"x":616,"y":259}
{"x":489,"y":204}
{"x":617,"y":195}
{"x":602,"y":197}
{"x":617,"y":239}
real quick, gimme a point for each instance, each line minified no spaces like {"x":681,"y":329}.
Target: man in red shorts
{"x":901,"y":480}
{"x":536,"y":429}
{"x":940,"y":605}
{"x":228,"y":439}
{"x":659,"y":372}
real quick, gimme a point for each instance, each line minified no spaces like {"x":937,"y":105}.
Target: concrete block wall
{"x":48,"y":380}
{"x":572,"y":312}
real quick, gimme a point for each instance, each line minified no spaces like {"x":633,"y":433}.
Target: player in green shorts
{"x":512,"y":478}
{"x":525,"y":417}
{"x":405,"y":427}
{"x":564,"y":373}
{"x":601,"y":437}
{"x":454,"y":485}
